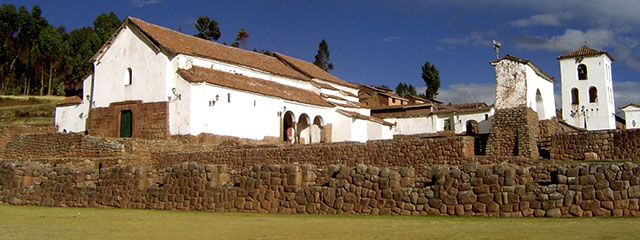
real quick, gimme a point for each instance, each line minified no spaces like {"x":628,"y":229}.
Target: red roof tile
{"x":312,"y":70}
{"x":179,"y":43}
{"x":364,"y":117}
{"x":584,"y":51}
{"x":255,"y":85}
{"x":73,"y":100}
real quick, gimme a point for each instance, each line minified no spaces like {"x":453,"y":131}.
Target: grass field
{"x":23,"y":222}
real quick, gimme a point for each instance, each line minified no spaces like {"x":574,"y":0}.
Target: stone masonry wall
{"x":469,"y":190}
{"x":7,"y":132}
{"x":513,"y":133}
{"x":416,"y":153}
{"x":150,"y":120}
{"x":57,"y":145}
{"x":622,"y":144}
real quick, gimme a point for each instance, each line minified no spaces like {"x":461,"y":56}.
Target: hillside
{"x":27,"y":110}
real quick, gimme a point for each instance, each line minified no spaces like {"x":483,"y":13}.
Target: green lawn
{"x":23,"y":222}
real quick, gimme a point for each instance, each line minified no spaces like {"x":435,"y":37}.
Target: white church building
{"x":152,"y":82}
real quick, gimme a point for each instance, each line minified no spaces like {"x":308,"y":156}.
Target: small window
{"x":574,"y":96}
{"x":229,"y":97}
{"x":447,"y":124}
{"x":593,"y":95}
{"x":582,"y":72}
{"x":393,"y":100}
{"x":486,"y":117}
{"x":129,"y":79}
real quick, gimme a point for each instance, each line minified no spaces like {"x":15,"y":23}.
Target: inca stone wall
{"x":56,"y":145}
{"x":7,"y":132}
{"x":622,"y":144}
{"x":469,"y":190}
{"x":513,"y":133}
{"x":417,"y":153}
{"x":150,"y":120}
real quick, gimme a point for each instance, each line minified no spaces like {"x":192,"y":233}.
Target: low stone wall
{"x":6,"y":132}
{"x":57,"y":145}
{"x":416,"y":153}
{"x":469,"y":190}
{"x":622,"y":144}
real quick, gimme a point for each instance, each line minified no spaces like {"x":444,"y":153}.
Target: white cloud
{"x":391,"y":39}
{"x":551,"y":19}
{"x":465,"y":93}
{"x":142,"y":3}
{"x":626,"y":92}
{"x":570,"y":41}
{"x":474,"y":39}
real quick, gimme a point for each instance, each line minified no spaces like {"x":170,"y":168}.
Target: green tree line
{"x":37,"y":58}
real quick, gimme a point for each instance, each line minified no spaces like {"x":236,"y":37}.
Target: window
{"x":393,"y":100}
{"x":129,"y":77}
{"x":486,"y":117}
{"x":447,"y":124}
{"x":582,"y":72}
{"x":229,"y":97}
{"x":593,"y":95}
{"x":574,"y":97}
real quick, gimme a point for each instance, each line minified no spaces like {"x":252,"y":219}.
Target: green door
{"x":126,"y":128}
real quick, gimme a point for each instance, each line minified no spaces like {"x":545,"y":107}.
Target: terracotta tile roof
{"x":73,"y":100}
{"x":584,"y":51}
{"x":179,"y":43}
{"x":525,"y":61}
{"x":324,"y":85}
{"x":255,"y":85}
{"x":312,"y":70}
{"x":422,"y":99}
{"x":364,"y":117}
{"x":465,"y":107}
{"x":404,"y":111}
{"x":631,"y":105}
{"x":348,"y":94}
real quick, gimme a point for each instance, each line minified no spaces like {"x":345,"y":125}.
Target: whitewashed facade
{"x":142,"y":63}
{"x":631,"y":114}
{"x":587,"y":89}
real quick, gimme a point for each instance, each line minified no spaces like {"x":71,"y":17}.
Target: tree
{"x":431,"y":77}
{"x":207,"y":29}
{"x":51,"y":48}
{"x":105,"y":25}
{"x":241,"y":39}
{"x":404,"y":89}
{"x":322,"y":58}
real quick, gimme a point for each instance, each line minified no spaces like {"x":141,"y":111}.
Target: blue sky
{"x":379,"y":42}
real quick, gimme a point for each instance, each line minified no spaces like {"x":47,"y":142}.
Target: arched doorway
{"x":539,"y":105}
{"x":303,"y":127}
{"x":317,"y":130}
{"x":288,"y":127}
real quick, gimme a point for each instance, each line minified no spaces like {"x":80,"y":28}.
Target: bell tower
{"x":587,"y":89}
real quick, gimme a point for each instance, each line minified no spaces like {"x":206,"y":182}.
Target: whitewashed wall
{"x":632,"y":117}
{"x":73,"y":118}
{"x":149,"y":71}
{"x":243,"y":114}
{"x":599,"y":115}
{"x":484,"y":125}
{"x":536,"y":82}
